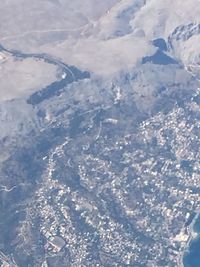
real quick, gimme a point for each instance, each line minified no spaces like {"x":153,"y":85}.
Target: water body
{"x":192,"y":256}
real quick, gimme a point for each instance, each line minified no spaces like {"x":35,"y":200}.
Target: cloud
{"x":21,"y":77}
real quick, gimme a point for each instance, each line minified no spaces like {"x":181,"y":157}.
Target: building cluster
{"x":124,"y":200}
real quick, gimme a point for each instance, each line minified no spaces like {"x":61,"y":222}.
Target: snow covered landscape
{"x":99,"y":137}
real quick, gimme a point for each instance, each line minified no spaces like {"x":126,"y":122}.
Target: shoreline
{"x":192,"y":236}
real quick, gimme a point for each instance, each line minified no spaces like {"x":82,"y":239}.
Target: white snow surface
{"x":21,"y":77}
{"x":103,"y":37}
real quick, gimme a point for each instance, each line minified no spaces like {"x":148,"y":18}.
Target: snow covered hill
{"x":103,"y":37}
{"x":99,"y":126}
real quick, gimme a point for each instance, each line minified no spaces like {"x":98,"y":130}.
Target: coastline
{"x":192,"y":236}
